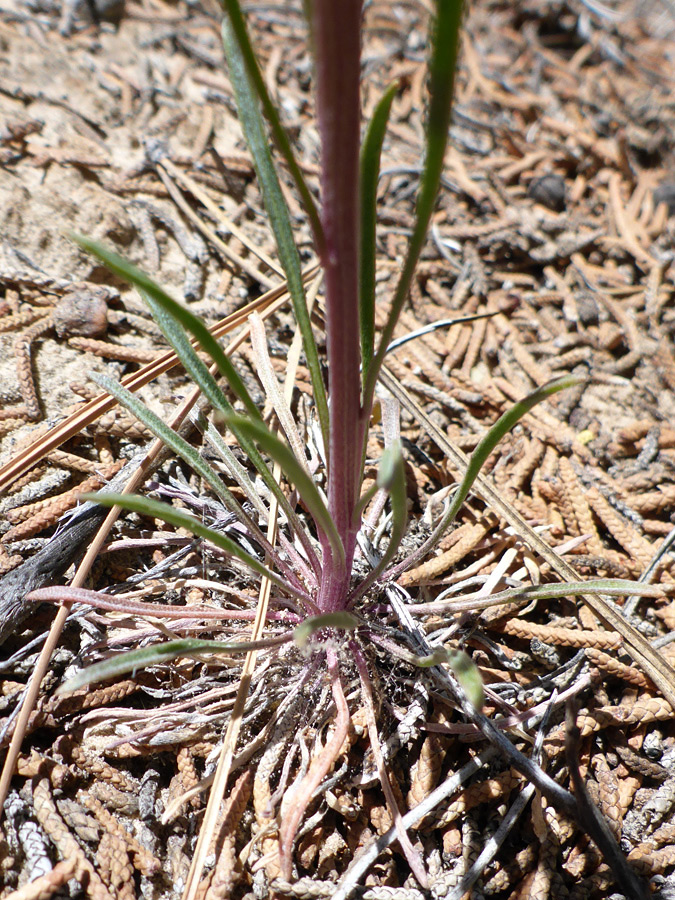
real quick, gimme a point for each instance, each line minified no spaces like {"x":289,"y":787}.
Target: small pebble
{"x":549,"y":190}
{"x":81,"y":312}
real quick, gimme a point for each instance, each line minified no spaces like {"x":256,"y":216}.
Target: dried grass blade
{"x":273,"y":391}
{"x":229,"y":744}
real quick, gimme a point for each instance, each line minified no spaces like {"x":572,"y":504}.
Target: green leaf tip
{"x":391,"y":466}
{"x":371,"y":151}
{"x":249,"y":89}
{"x":343,"y":621}
{"x":465,"y":671}
{"x":468,"y":676}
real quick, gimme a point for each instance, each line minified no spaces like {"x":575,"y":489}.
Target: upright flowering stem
{"x":336,"y":31}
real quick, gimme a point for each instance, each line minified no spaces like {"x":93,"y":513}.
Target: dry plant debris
{"x":558,"y":219}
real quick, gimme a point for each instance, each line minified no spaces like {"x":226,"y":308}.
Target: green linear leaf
{"x":174,"y":314}
{"x":477,"y":459}
{"x":442,"y":70}
{"x":371,"y":151}
{"x":234,"y":467}
{"x":504,"y":424}
{"x":612,"y":587}
{"x":277,"y":210}
{"x":133,"y":660}
{"x":297,"y":475}
{"x":495,"y":434}
{"x":176,"y":311}
{"x":240,"y":33}
{"x":193,"y":365}
{"x":155,"y":509}
{"x":186,"y":452}
{"x":196,"y":368}
{"x":170,"y":437}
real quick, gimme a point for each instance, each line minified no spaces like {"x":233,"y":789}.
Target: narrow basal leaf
{"x":272,"y":389}
{"x":174,"y":319}
{"x":645,"y":656}
{"x":232,"y":464}
{"x":207,"y":384}
{"x":120,"y":267}
{"x":477,"y":459}
{"x":371,"y":151}
{"x":186,"y":452}
{"x":279,"y":134}
{"x":442,"y":70}
{"x":157,"y":510}
{"x":239,"y":474}
{"x":134,"y":660}
{"x":343,"y":621}
{"x":297,"y":476}
{"x":196,"y":368}
{"x":500,"y":429}
{"x":166,"y":434}
{"x":277,"y":210}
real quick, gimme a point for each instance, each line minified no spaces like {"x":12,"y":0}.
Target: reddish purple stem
{"x":336,"y":31}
